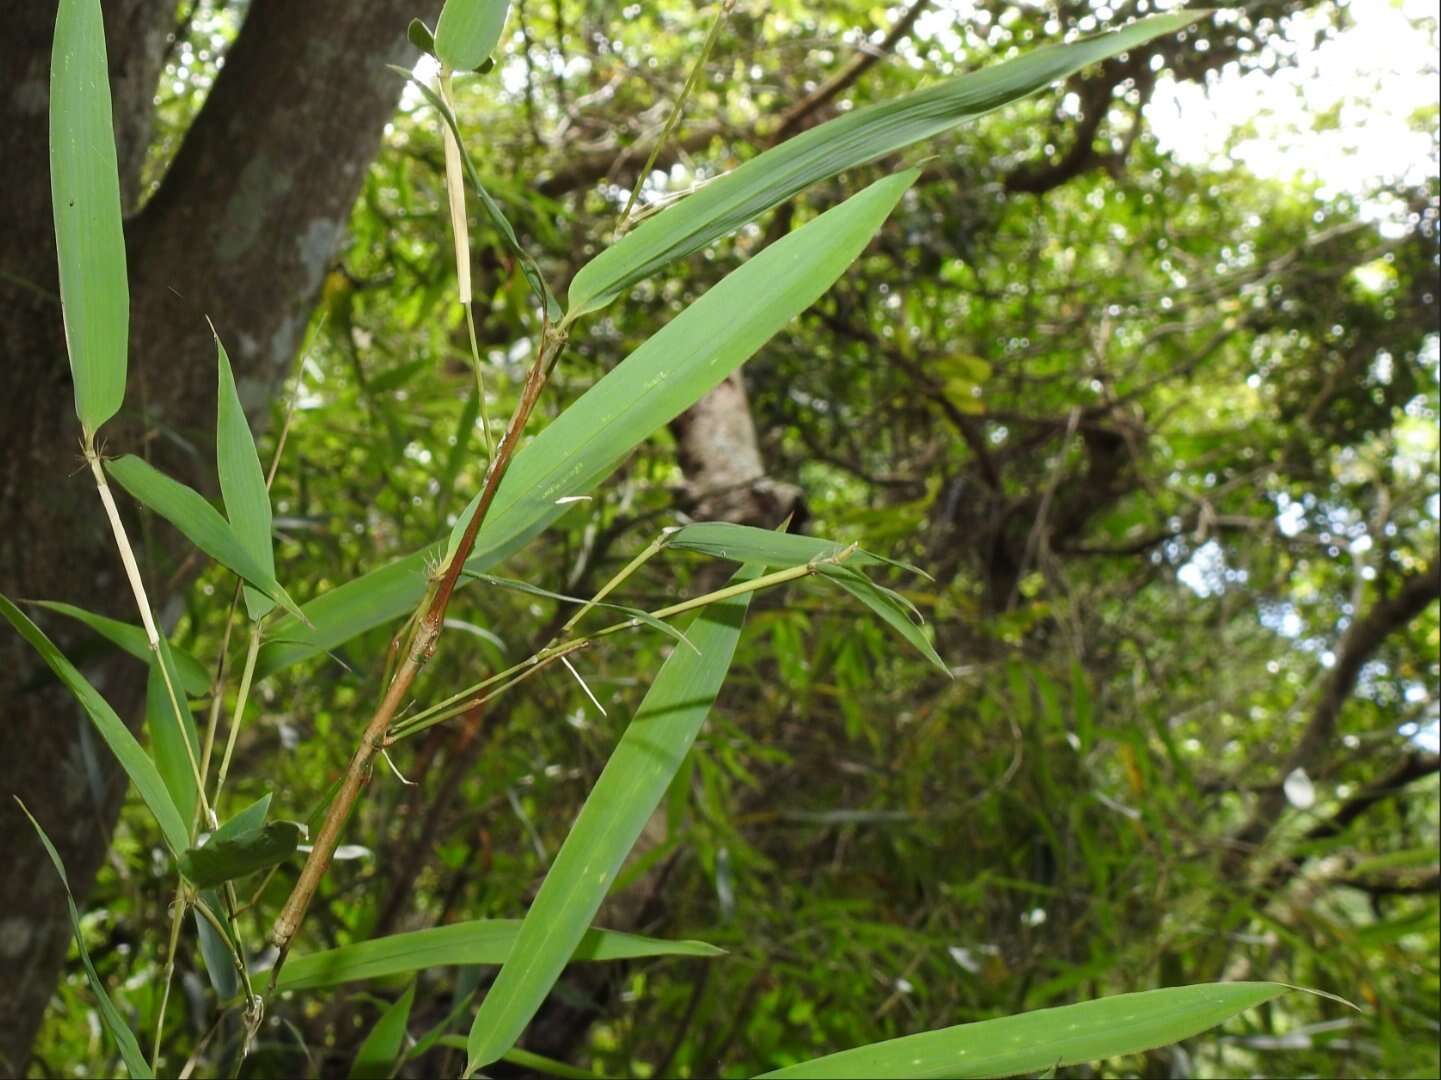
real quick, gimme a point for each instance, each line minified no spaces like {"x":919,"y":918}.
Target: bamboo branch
{"x":422,"y":647}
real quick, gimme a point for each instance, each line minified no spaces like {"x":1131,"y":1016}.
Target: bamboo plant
{"x":181,"y":776}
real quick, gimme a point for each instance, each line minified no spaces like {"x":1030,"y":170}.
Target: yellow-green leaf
{"x":375,"y":1060}
{"x":109,"y":1014}
{"x":626,"y":794}
{"x":242,"y":482}
{"x":133,"y":759}
{"x":202,"y":524}
{"x":194,"y":680}
{"x":1047,"y":1038}
{"x":85,"y":194}
{"x":469,"y":31}
{"x":726,"y":203}
{"x":481,"y":941}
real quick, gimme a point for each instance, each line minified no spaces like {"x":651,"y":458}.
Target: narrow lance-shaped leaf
{"x":242,"y":482}
{"x":421,"y":37}
{"x":193,"y":678}
{"x":192,"y":514}
{"x":679,"y":364}
{"x":469,"y":31}
{"x":85,"y":194}
{"x":726,"y":203}
{"x":624,"y":797}
{"x":168,"y":737}
{"x":219,"y":961}
{"x":247,"y":821}
{"x":133,"y":759}
{"x":1047,"y":1038}
{"x":109,"y":1014}
{"x":214,"y":951}
{"x":743,"y":543}
{"x":889,"y":606}
{"x":482,"y":941}
{"x":655,"y":384}
{"x":376,"y":1058}
{"x":220,"y":860}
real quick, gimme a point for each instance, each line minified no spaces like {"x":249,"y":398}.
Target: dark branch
{"x":1360,"y":642}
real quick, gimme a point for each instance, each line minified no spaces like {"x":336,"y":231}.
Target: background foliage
{"x":1164,"y":435}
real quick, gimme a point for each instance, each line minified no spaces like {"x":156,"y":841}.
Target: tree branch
{"x":848,"y":75}
{"x":1360,"y":642}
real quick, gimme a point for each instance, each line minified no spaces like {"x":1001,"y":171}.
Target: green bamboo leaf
{"x":745,"y":543}
{"x":193,"y":678}
{"x":469,"y":31}
{"x":219,"y":961}
{"x":678,"y":365}
{"x":247,"y":821}
{"x":656,"y":383}
{"x":220,"y":860}
{"x":201,"y":523}
{"x":1047,"y":1038}
{"x":242,"y":482}
{"x":85,"y":195}
{"x":168,"y":737}
{"x":626,"y":794}
{"x":482,"y":941}
{"x":137,"y":765}
{"x":726,"y":203}
{"x":421,"y":37}
{"x":214,"y":950}
{"x":889,"y":606}
{"x":109,"y":1014}
{"x":376,"y":1058}
{"x":432,"y":1037}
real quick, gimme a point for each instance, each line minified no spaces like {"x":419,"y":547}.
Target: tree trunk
{"x":720,"y":457}
{"x":242,"y":228}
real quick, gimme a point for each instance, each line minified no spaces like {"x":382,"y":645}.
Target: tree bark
{"x":242,"y":228}
{"x":721,"y":458}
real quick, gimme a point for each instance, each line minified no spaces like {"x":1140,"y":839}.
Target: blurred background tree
{"x":1160,"y":423}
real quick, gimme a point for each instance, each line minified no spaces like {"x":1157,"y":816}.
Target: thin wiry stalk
{"x":238,"y":717}
{"x":676,"y":110}
{"x":217,"y":685}
{"x":177,"y":913}
{"x":465,"y":699}
{"x":142,"y":601}
{"x":610,"y":586}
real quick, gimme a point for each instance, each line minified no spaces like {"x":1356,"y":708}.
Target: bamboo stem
{"x":422,"y":647}
{"x":328,"y":838}
{"x":431,"y":612}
